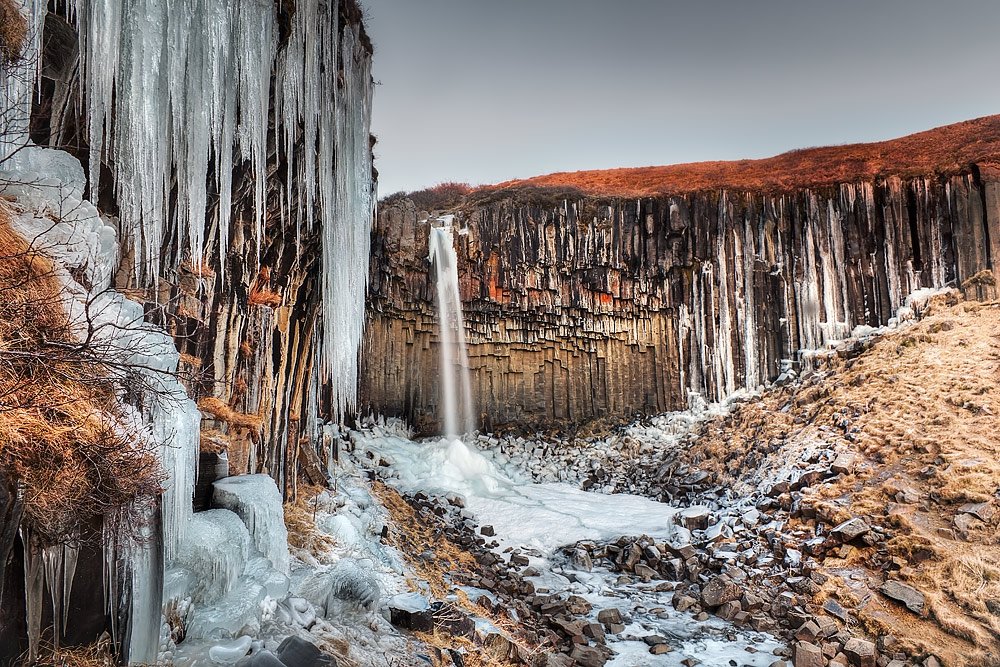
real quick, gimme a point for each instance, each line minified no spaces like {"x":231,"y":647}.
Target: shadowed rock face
{"x":587,"y":308}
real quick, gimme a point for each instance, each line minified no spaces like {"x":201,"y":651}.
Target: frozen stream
{"x":537,"y":519}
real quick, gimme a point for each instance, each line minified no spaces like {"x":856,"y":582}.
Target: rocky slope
{"x":618,"y":294}
{"x":855,"y":507}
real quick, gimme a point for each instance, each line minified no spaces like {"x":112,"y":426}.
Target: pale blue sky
{"x":488,"y":90}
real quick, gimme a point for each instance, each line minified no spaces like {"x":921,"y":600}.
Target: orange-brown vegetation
{"x":412,"y":536}
{"x":300,"y":520}
{"x":62,"y":434}
{"x":943,"y":150}
{"x":260,"y":293}
{"x":244,"y":429}
{"x":13,"y":32}
{"x":440,"y":197}
{"x":918,"y":411}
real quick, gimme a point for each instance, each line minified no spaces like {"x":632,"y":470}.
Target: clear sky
{"x":482,"y":91}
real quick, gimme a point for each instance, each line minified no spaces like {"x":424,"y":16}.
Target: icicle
{"x":20,"y":83}
{"x":52,"y":562}
{"x":34,"y":584}
{"x":71,"y":555}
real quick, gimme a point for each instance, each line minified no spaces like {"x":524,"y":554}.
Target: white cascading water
{"x":457,"y":416}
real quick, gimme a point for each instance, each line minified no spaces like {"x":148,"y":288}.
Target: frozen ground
{"x":539,"y":518}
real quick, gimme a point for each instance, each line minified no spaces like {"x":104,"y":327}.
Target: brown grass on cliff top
{"x":61,"y":433}
{"x":919,"y":412}
{"x":945,"y":149}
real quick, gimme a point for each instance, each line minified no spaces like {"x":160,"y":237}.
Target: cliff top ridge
{"x":943,"y":150}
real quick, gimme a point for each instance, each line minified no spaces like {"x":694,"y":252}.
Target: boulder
{"x":808,"y":655}
{"x":719,"y":591}
{"x":906,"y":595}
{"x":860,"y":653}
{"x":260,"y":659}
{"x":411,"y":611}
{"x":297,"y":652}
{"x":851,"y":529}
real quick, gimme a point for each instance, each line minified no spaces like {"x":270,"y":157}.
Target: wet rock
{"x":610,"y":616}
{"x":660,"y":649}
{"x":907,"y":595}
{"x":595,"y":631}
{"x":411,"y":611}
{"x":833,"y":607}
{"x":297,"y":652}
{"x":860,"y":653}
{"x":260,"y":659}
{"x":728,"y":610}
{"x":487,"y":531}
{"x":683,"y":602}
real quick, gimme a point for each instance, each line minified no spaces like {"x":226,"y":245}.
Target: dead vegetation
{"x":415,"y":539}
{"x":918,"y":411}
{"x":99,"y":654}
{"x":943,"y":150}
{"x":63,"y":436}
{"x":13,"y":32}
{"x":300,"y":520}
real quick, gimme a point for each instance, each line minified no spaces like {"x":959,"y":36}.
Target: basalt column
{"x":580,"y":308}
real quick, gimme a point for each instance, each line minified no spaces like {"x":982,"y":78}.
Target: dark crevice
{"x":977,"y":180}
{"x":911,"y":214}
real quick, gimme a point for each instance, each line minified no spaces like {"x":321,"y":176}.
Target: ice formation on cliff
{"x":179,"y":92}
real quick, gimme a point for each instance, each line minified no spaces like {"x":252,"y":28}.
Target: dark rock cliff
{"x":584,"y":307}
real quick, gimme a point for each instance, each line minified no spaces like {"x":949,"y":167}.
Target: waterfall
{"x":454,"y":357}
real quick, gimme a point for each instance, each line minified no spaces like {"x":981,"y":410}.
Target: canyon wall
{"x":253,"y":254}
{"x":581,"y":308}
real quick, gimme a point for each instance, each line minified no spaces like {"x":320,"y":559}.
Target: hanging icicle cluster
{"x":178,"y":91}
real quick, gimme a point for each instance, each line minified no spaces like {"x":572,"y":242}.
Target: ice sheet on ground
{"x":541,"y":516}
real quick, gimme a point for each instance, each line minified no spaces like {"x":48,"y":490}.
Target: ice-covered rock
{"x":226,"y":653}
{"x":257,"y":502}
{"x":346,"y":581}
{"x":215,"y":551}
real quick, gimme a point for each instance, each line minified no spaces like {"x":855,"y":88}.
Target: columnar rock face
{"x":584,"y":307}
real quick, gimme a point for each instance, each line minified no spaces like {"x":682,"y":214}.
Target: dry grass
{"x":223,"y":412}
{"x":919,"y":411}
{"x":13,"y":32}
{"x":300,"y":519}
{"x":260,"y":293}
{"x":945,"y":149}
{"x":100,"y":654}
{"x":245,"y":429}
{"x":413,"y":538}
{"x":61,"y":435}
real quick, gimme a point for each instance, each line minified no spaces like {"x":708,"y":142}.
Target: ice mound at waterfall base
{"x":541,"y":516}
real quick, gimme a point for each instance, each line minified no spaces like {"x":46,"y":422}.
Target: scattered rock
{"x":851,"y":529}
{"x":860,"y":653}
{"x":808,"y":655}
{"x":905,"y":594}
{"x":718,"y":591}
